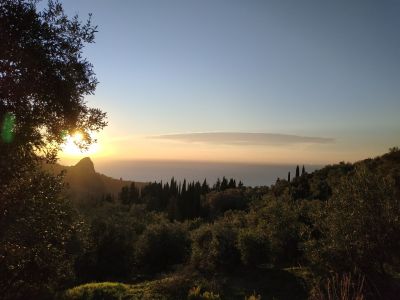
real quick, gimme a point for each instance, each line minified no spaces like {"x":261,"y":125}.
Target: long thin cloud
{"x":244,"y":138}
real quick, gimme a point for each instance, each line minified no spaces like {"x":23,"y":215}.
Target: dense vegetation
{"x":332,"y":234}
{"x":43,"y":81}
{"x":338,"y":226}
{"x":178,"y":240}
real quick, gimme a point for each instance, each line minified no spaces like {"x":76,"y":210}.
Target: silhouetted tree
{"x":224,"y":184}
{"x":297,"y":171}
{"x":183,"y":190}
{"x":303,"y":171}
{"x":107,"y":198}
{"x":300,"y":188}
{"x":288,"y":177}
{"x":133,"y":194}
{"x":124,"y":195}
{"x":204,"y":187}
{"x":44,"y":78}
{"x":217,"y":185}
{"x":232,"y":183}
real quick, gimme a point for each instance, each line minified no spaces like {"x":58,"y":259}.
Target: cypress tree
{"x":124,"y":195}
{"x":218,"y":185}
{"x":205,"y":188}
{"x":183,"y":191}
{"x":133,"y":194}
{"x":297,"y":171}
{"x":224,"y":184}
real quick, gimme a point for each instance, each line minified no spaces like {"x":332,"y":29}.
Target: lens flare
{"x":7,"y":129}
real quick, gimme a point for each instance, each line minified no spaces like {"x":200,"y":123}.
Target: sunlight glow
{"x":70,"y":147}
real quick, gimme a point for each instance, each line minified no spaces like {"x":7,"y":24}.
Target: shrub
{"x":281,"y":220}
{"x":253,"y":297}
{"x":219,"y":202}
{"x":97,"y":291}
{"x":114,"y":231}
{"x":173,"y":287}
{"x":214,"y":247}
{"x":162,"y":245}
{"x":340,"y":287}
{"x":254,"y":247}
{"x":40,"y":237}
{"x":195,"y":294}
{"x":360,"y":227}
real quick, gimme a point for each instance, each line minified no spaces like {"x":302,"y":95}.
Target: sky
{"x":244,"y":81}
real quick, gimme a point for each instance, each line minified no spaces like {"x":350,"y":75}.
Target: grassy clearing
{"x":269,"y":284}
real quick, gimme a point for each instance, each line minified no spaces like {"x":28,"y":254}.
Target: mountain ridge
{"x":84,"y":184}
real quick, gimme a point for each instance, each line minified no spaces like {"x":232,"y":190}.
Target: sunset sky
{"x":246,"y":81}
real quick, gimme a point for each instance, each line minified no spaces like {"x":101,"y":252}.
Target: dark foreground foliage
{"x":276,"y":246}
{"x":332,"y":234}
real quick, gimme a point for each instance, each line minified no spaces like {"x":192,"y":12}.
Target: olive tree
{"x":44,"y":79}
{"x":359,"y":226}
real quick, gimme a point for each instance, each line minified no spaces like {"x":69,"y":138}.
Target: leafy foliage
{"x":39,"y":238}
{"x":360,"y":225}
{"x":162,"y":245}
{"x":254,"y":247}
{"x":97,"y":291}
{"x":43,"y":79}
{"x":196,"y":294}
{"x":214,"y":247}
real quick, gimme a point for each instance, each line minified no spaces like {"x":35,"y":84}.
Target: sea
{"x":159,"y":170}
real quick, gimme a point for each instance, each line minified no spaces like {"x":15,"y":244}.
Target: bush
{"x":253,"y":297}
{"x":214,"y":247}
{"x":195,"y":294}
{"x":254,"y":247}
{"x":360,"y":226}
{"x":97,"y":291}
{"x":162,"y":245}
{"x":282,"y":221}
{"x":40,"y":237}
{"x":174,"y":286}
{"x":111,"y":255}
{"x":219,"y":202}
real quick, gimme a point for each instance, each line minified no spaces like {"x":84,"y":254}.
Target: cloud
{"x":244,"y":138}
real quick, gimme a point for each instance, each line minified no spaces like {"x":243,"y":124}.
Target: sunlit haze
{"x":308,"y":82}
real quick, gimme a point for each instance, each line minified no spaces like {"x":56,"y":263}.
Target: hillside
{"x":337,"y":226}
{"x":85,"y":184}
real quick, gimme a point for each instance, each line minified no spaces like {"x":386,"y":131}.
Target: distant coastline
{"x":156,"y":170}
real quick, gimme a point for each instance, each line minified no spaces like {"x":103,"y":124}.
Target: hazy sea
{"x":145,"y":171}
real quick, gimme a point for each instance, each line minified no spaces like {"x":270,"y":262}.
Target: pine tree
{"x":297,"y":171}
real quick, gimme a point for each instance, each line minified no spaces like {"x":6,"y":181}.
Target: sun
{"x":70,"y":147}
{"x":77,"y":137}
